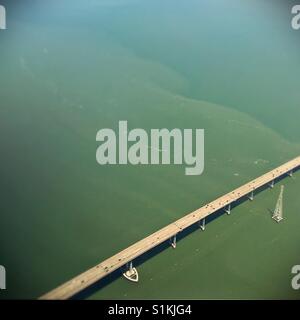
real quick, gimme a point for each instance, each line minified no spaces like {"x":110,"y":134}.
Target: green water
{"x":69,"y":68}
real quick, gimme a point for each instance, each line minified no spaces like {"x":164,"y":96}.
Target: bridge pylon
{"x":202,"y":224}
{"x":251,"y":196}
{"x":131,"y":273}
{"x":228,"y":209}
{"x":173,"y":242}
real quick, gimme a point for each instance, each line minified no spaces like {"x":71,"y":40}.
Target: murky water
{"x":70,"y":68}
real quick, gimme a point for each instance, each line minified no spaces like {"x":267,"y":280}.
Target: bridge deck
{"x":107,"y":266}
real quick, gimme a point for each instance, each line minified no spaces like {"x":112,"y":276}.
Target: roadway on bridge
{"x":109,"y":265}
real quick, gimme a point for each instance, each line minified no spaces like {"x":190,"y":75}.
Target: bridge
{"x":104,"y":268}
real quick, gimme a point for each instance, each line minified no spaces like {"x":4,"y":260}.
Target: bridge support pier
{"x":290,"y":173}
{"x":173,"y":242}
{"x":251,"y":196}
{"x":131,"y":274}
{"x":271,"y":184}
{"x":228,"y":209}
{"x":202,"y":224}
